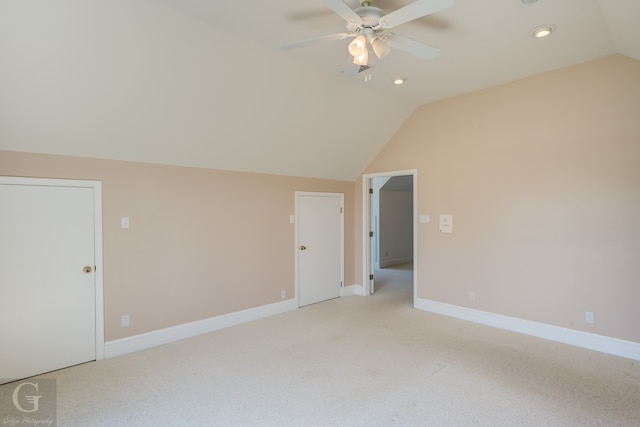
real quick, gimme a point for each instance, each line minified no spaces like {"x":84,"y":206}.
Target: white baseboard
{"x":601,"y":343}
{"x":353,"y":290}
{"x":187,"y":330}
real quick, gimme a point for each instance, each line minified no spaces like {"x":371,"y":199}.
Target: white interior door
{"x":47,"y":279}
{"x":320,"y":246}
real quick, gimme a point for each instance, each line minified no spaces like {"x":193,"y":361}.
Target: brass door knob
{"x":87,"y":269}
{"x":302,"y":248}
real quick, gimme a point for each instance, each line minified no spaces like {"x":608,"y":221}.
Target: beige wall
{"x":201,"y":243}
{"x":542,"y":177}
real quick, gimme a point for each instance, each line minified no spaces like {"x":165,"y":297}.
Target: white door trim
{"x":367,"y":267}
{"x":297,"y":243}
{"x":97,"y":221}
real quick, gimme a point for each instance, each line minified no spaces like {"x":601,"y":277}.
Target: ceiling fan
{"x":369,"y":26}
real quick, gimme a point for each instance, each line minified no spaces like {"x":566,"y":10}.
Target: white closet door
{"x":47,"y":279}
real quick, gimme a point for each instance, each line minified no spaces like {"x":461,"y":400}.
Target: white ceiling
{"x":203,"y":83}
{"x":483,"y":43}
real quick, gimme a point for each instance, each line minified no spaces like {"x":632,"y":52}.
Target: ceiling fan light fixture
{"x":380,"y":48}
{"x":363,"y":58}
{"x":358,"y":46}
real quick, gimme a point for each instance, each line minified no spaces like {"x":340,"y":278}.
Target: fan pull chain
{"x":367,"y":75}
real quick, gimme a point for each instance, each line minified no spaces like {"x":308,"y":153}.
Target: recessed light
{"x":399,"y":81}
{"x":542,"y":31}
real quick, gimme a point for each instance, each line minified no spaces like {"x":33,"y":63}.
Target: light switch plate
{"x":124,"y":222}
{"x":425,"y":219}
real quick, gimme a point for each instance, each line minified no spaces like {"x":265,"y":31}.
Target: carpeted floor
{"x":355,"y":361}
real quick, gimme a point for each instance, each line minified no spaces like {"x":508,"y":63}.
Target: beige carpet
{"x":355,"y":361}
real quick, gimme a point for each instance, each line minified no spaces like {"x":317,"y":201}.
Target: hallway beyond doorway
{"x":395,"y":282}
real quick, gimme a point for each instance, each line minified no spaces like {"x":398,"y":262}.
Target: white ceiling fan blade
{"x":307,"y":42}
{"x":415,"y":10}
{"x":413,"y":47}
{"x":339,"y":7}
{"x":350,"y":68}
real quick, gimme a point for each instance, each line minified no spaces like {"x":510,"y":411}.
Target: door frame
{"x":297,"y":237}
{"x":97,"y":239}
{"x":367,"y":210}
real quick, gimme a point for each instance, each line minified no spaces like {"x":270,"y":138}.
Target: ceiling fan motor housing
{"x":370,"y":21}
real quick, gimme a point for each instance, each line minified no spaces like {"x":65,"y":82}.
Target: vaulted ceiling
{"x":203,"y":83}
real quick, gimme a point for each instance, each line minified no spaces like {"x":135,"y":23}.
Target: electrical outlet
{"x":124,"y":320}
{"x":283,"y":294}
{"x":472,"y":296}
{"x":589,"y":317}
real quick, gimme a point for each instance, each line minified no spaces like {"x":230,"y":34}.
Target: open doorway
{"x":390,"y":241}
